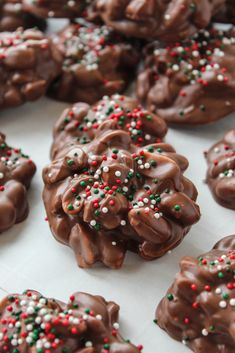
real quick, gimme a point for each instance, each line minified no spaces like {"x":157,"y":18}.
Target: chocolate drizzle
{"x":221,"y":170}
{"x":114,"y":194}
{"x":16,"y":172}
{"x":199,"y":307}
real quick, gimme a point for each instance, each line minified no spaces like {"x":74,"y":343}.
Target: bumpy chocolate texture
{"x":153,"y":19}
{"x":108,"y":192}
{"x":31,"y":323}
{"x":97,"y":62}
{"x":16,"y":172}
{"x":199,"y":307}
{"x":191,"y":82}
{"x":221,"y":170}
{"x":12,"y":16}
{"x":56,"y":8}
{"x":227,"y":13}
{"x":28,"y":63}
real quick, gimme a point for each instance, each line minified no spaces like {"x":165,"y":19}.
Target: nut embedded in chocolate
{"x":12,"y":16}
{"x":30,"y":322}
{"x":97,"y":62}
{"x":16,"y":172}
{"x":115,"y":194}
{"x":191,"y":82}
{"x":56,"y":8}
{"x":29,"y":61}
{"x":198,"y":309}
{"x":168,"y":20}
{"x":221,"y":170}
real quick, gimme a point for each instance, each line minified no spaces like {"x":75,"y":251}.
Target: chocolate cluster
{"x":30,"y":322}
{"x":110,"y":191}
{"x":153,"y":19}
{"x":221,"y":170}
{"x":198,"y":309}
{"x":29,"y":62}
{"x":12,"y":16}
{"x":16,"y":172}
{"x":193,"y":81}
{"x":97,"y":62}
{"x":56,"y":8}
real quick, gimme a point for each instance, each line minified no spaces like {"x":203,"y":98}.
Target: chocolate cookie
{"x":109,"y":193}
{"x":30,"y":322}
{"x":221,"y":170}
{"x":199,"y":307}
{"x":29,"y":61}
{"x":78,"y":124}
{"x":227,"y":13}
{"x":191,"y":82}
{"x":56,"y":8}
{"x":97,"y":62}
{"x":16,"y":172}
{"x":12,"y":16}
{"x":153,"y":19}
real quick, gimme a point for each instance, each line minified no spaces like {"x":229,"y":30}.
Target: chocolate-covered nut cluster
{"x":56,"y":8}
{"x":153,"y":19}
{"x":191,"y":82}
{"x":78,"y":124}
{"x":109,"y":193}
{"x":16,"y":172}
{"x":221,"y":170}
{"x":97,"y":62}
{"x":29,"y":61}
{"x":32,"y":323}
{"x":12,"y":16}
{"x":199,"y":307}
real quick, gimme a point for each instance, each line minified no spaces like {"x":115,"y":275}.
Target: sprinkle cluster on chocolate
{"x":191,"y":82}
{"x":111,"y":191}
{"x":199,"y":307}
{"x":29,"y":62}
{"x":221,"y":170}
{"x":97,"y":62}
{"x":16,"y":172}
{"x":32,"y":323}
{"x":153,"y":19}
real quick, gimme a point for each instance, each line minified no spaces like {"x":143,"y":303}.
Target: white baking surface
{"x":31,"y":258}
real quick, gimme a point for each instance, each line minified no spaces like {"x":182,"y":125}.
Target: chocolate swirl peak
{"x":32,"y":323}
{"x":111,"y":195}
{"x":198,"y":309}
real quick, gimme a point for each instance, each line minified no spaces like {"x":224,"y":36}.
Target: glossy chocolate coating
{"x":168,"y":20}
{"x":221,"y":170}
{"x":97,"y":62}
{"x":114,"y":194}
{"x":29,"y":61}
{"x":199,"y":307}
{"x":56,"y":8}
{"x":12,"y":16}
{"x":86,"y":324}
{"x":16,"y":172}
{"x":191,"y":82}
{"x":227,"y":13}
{"x":78,"y":124}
